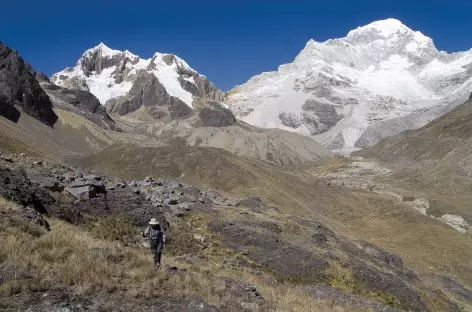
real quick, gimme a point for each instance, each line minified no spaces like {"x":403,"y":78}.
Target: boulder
{"x":121,"y":185}
{"x":15,"y":186}
{"x":81,"y":192}
{"x":86,"y":190}
{"x":186,"y":206}
{"x":174,"y":211}
{"x":250,"y":202}
{"x":7,"y":159}
{"x":93,"y":178}
{"x":215,"y":197}
{"x":174,"y":200}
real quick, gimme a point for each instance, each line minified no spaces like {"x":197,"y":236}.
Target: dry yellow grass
{"x":293,"y":300}
{"x":6,"y":205}
{"x":64,"y":256}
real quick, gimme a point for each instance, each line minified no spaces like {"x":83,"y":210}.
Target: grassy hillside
{"x":80,"y":258}
{"x":354,"y":213}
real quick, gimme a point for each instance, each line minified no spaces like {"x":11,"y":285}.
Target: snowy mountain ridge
{"x":110,"y":75}
{"x":379,"y":80}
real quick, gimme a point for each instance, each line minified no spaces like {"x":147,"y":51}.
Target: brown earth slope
{"x":434,"y":161}
{"x":429,"y":247}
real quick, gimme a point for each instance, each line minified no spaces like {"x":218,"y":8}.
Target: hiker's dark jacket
{"x":157,"y":237}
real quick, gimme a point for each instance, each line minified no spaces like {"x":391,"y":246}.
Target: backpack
{"x":155,"y":235}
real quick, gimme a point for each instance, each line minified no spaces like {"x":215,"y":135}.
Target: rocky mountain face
{"x":164,"y":86}
{"x":379,"y":80}
{"x":78,"y":101}
{"x":148,"y":92}
{"x":19,"y":88}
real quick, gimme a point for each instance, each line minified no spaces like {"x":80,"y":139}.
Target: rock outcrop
{"x":215,"y":115}
{"x":19,"y":87}
{"x":79,"y":101}
{"x":148,"y":92}
{"x":202,"y":88}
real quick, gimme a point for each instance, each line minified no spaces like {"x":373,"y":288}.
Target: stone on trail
{"x":186,"y":206}
{"x":172,"y":200}
{"x":250,"y":202}
{"x":86,"y":190}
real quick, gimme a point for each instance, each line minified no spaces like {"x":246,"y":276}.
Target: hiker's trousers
{"x":157,"y":252}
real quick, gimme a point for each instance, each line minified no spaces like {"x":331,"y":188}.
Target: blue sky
{"x":229,"y":41}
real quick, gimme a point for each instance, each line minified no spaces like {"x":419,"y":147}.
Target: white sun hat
{"x":153,"y":221}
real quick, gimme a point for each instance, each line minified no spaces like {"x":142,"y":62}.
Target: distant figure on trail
{"x":157,"y":238}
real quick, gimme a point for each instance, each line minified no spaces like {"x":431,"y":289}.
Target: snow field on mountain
{"x":379,"y":72}
{"x":104,"y":86}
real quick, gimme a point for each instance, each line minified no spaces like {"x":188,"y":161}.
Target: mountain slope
{"x":165,"y":99}
{"x":434,"y":163}
{"x":19,"y":88}
{"x":58,"y":122}
{"x":126,"y":83}
{"x":144,"y":117}
{"x":441,"y":138}
{"x":353,"y":91}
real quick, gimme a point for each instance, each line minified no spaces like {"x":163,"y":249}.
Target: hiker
{"x":157,"y":238}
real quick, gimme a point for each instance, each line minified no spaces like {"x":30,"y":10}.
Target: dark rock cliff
{"x":19,"y":88}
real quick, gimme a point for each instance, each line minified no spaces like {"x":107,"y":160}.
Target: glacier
{"x":351,"y":92}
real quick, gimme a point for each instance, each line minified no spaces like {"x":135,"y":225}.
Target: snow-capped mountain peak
{"x":111,"y":75}
{"x":391,"y":33}
{"x":340,"y":90}
{"x":383,"y":29}
{"x":103,"y":49}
